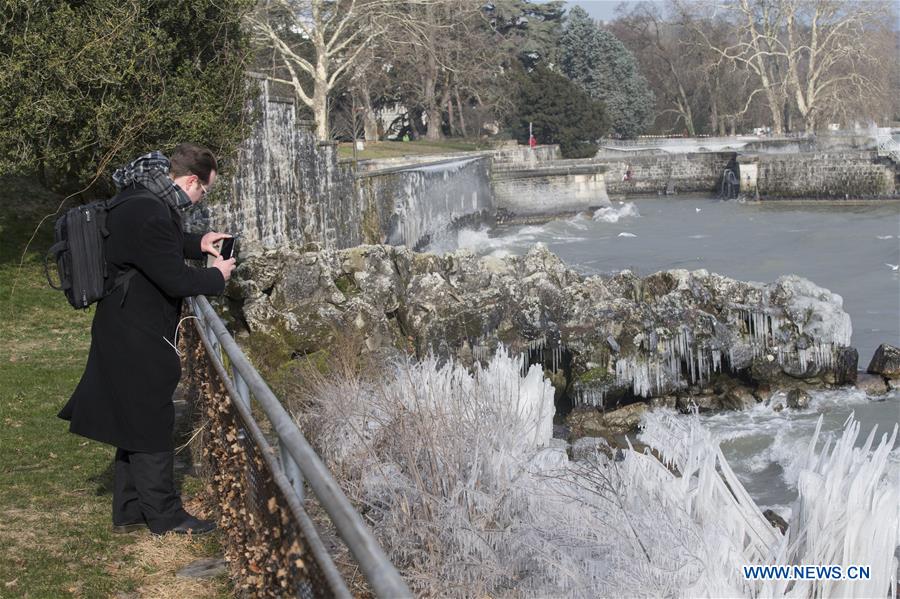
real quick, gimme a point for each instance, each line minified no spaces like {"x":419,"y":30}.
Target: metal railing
{"x":266,"y":478}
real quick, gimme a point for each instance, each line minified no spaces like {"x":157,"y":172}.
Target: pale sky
{"x":602,"y":9}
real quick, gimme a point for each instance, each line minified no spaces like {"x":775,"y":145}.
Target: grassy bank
{"x":56,"y":490}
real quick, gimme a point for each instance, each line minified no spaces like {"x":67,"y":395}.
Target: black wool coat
{"x":125,"y":394}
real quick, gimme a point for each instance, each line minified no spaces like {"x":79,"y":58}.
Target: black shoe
{"x":128,"y":527}
{"x":192,"y":526}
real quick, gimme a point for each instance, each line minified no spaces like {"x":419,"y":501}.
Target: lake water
{"x":850,"y":249}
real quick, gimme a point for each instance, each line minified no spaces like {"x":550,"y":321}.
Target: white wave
{"x":761,"y":436}
{"x":613,"y":214}
{"x":472,"y":239}
{"x":580,"y":221}
{"x":480,"y":241}
{"x":626,"y":234}
{"x":531,"y":230}
{"x":884,"y":236}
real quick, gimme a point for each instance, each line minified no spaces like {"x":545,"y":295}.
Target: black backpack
{"x":80,"y":256}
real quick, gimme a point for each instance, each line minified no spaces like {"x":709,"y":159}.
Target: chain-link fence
{"x":272,"y":546}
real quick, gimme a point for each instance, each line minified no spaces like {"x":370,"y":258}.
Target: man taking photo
{"x":125,"y":394}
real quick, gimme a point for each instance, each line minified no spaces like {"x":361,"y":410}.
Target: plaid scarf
{"x":152,"y":171}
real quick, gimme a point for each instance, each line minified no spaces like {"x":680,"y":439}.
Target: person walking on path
{"x":124,"y":397}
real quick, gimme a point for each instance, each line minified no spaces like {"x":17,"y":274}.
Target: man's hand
{"x":207,"y":241}
{"x":224,"y":266}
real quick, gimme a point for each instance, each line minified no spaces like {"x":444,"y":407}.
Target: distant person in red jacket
{"x":532,"y":142}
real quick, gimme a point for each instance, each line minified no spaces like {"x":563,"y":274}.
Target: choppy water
{"x":848,"y":249}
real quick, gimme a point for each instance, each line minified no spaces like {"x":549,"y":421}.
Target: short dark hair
{"x":191,"y":159}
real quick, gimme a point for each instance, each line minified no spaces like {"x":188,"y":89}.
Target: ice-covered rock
{"x":601,"y":339}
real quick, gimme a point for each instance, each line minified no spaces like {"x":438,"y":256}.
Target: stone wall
{"x":553,"y":188}
{"x":286,"y":186}
{"x":822,"y":174}
{"x":408,"y":205}
{"x":289,"y":188}
{"x":523,"y":156}
{"x":825,"y":175}
{"x":665,"y":173}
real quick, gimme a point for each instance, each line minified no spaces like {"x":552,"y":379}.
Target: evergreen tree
{"x":602,"y":66}
{"x":560,"y":111}
{"x":527,"y":30}
{"x":86,"y":86}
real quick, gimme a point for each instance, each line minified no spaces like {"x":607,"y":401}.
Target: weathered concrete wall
{"x":662,"y":173}
{"x":525,"y":156}
{"x":286,"y":186}
{"x":407,"y":205}
{"x":554,"y":188}
{"x":836,"y":174}
{"x":289,"y":188}
{"x":827,"y":175}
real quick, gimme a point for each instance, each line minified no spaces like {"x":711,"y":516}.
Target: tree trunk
{"x":370,"y":121}
{"x":713,"y":114}
{"x":320,"y":114}
{"x":320,"y":97}
{"x":462,"y":120}
{"x":810,"y":125}
{"x":433,"y":131}
{"x":774,"y":108}
{"x":432,"y":108}
{"x":453,"y":128}
{"x":415,"y":121}
{"x":688,"y":120}
{"x":761,"y":66}
{"x":444,"y":101}
{"x":684,"y":104}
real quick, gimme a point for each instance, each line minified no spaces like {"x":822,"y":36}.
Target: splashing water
{"x":613,"y":214}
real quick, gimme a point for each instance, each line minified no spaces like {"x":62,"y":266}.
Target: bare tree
{"x":427,"y":44}
{"x":315,"y":42}
{"x":670,"y":65}
{"x":826,"y":46}
{"x":756,"y":45}
{"x":807,"y":56}
{"x":730,"y":88}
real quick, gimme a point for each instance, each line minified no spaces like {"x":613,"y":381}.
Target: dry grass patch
{"x":154,"y":564}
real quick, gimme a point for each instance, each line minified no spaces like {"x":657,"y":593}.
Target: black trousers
{"x":144,"y":490}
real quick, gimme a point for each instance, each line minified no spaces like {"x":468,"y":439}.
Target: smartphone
{"x":227,"y":250}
